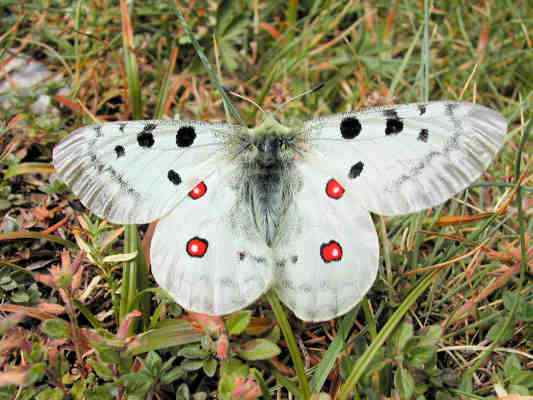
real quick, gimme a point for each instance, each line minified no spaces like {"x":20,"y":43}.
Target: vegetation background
{"x":451,"y":314}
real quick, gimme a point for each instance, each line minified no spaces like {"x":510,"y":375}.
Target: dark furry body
{"x":267,"y":186}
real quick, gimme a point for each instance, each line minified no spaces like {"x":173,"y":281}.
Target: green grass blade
{"x":130,"y":63}
{"x":210,"y":70}
{"x":165,"y":85}
{"x":135,"y":272}
{"x":285,"y":327}
{"x":362,"y":363}
{"x":405,"y":62}
{"x":327,"y":363}
{"x":174,"y":333}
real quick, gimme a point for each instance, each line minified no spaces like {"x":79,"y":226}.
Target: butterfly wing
{"x":403,"y":159}
{"x":135,"y":172}
{"x":327,"y":256}
{"x":206,"y":252}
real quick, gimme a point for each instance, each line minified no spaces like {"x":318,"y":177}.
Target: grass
{"x":451,"y":313}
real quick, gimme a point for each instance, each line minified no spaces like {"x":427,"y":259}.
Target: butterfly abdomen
{"x":267,"y":172}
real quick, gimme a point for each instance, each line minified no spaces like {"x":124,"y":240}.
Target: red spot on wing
{"x":334,"y":189}
{"x":331,"y":251}
{"x":197,"y":247}
{"x":198,"y":191}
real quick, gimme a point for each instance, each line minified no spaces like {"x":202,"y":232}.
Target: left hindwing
{"x":402,"y":159}
{"x":206,"y":254}
{"x":135,"y":172}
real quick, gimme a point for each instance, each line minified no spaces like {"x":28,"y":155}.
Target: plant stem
{"x":285,"y":327}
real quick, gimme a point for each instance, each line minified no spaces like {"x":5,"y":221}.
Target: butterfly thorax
{"x":267,"y":170}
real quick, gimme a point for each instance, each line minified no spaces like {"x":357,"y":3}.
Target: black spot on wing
{"x":174,"y":177}
{"x":119,"y":150}
{"x":350,"y":127}
{"x":121,"y":127}
{"x":185,"y":136}
{"x":394,"y":126}
{"x":356,"y":170}
{"x":422,"y":109}
{"x":146,"y":137}
{"x":423,"y":135}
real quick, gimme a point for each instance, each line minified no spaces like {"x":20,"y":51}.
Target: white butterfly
{"x":243,"y":210}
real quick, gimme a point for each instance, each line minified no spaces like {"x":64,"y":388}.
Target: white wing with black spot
{"x":328,"y":254}
{"x":135,"y":172}
{"x":402,"y":159}
{"x":207,"y":254}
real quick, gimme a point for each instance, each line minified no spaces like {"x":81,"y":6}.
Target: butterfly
{"x":287,"y":207}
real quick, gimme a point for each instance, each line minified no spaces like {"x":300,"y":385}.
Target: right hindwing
{"x":135,"y":172}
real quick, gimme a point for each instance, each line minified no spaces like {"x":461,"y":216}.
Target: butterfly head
{"x":271,"y":143}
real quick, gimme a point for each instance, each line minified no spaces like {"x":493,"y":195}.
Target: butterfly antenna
{"x":240,"y":96}
{"x":312,"y":90}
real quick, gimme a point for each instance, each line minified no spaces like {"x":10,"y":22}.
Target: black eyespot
{"x":185,"y":136}
{"x":174,"y":177}
{"x":423,"y":135}
{"x":145,"y":139}
{"x":356,"y":170}
{"x":350,"y":128}
{"x":394,"y":126}
{"x":119,"y":150}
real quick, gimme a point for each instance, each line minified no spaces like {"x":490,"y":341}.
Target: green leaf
{"x":259,"y":349}
{"x":153,"y":363}
{"x":173,"y":375}
{"x":101,"y":369}
{"x":524,"y":310}
{"x":35,"y":373}
{"x":56,"y":328}
{"x":420,"y":356}
{"x":117,"y":258}
{"x":501,"y":331}
{"x":193,"y":352}
{"x":511,"y":366}
{"x":520,"y":390}
{"x":404,"y":383}
{"x":210,"y":367}
{"x":137,"y":383}
{"x":238,"y":322}
{"x":431,"y":336}
{"x":401,"y":336}
{"x":174,"y":333}
{"x":192,"y":365}
{"x":183,"y":392}
{"x":51,"y":394}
